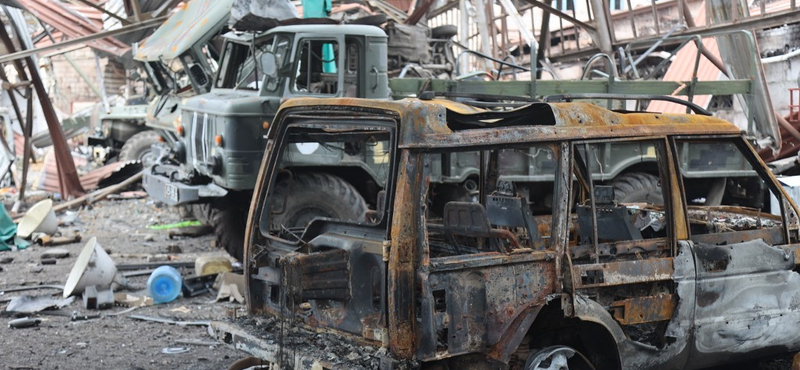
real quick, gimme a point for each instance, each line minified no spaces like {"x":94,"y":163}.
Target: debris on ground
{"x":32,"y":304}
{"x":168,"y":321}
{"x":98,"y":299}
{"x":197,"y":285}
{"x":230,"y":287}
{"x":41,"y":218}
{"x":94,"y":267}
{"x":8,"y":233}
{"x":51,"y":241}
{"x":128,"y":300}
{"x":120,"y":225}
{"x":207,"y":265}
{"x":191,"y":231}
{"x":55,"y":253}
{"x":176,"y":225}
{"x":24,"y":322}
{"x":164,"y":284}
{"x":175,"y":350}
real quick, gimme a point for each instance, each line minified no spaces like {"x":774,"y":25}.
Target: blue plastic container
{"x":164,"y":284}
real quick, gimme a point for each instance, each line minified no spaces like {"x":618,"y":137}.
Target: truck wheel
{"x":638,"y":187}
{"x":228,"y":215}
{"x":137,"y":148}
{"x":311,"y":195}
{"x":444,"y":32}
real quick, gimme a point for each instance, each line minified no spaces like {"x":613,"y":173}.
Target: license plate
{"x":171,"y":192}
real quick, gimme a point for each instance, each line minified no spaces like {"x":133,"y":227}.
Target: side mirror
{"x":268,"y":64}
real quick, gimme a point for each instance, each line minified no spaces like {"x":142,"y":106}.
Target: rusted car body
{"x":431,"y":278}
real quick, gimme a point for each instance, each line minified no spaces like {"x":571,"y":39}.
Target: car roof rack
{"x":570,"y":97}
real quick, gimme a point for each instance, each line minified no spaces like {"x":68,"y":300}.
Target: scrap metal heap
{"x":516,"y":239}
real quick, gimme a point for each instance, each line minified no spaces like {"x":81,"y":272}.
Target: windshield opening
{"x":238,"y":67}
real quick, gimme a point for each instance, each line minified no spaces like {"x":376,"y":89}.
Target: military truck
{"x":422,"y":279}
{"x":178,"y":61}
{"x":222,"y":133}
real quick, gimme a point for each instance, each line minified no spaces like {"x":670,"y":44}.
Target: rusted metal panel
{"x":183,"y":29}
{"x":426,"y":126}
{"x":406,"y":232}
{"x":475,"y":306}
{"x":49,"y":180}
{"x":642,"y":310}
{"x":676,"y":351}
{"x":318,"y":276}
{"x":624,"y":272}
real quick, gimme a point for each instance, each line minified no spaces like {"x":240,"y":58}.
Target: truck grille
{"x":201,"y":134}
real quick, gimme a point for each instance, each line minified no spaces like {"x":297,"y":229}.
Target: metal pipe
{"x":780,"y":58}
{"x":652,"y":48}
{"x":603,"y":27}
{"x":612,"y":65}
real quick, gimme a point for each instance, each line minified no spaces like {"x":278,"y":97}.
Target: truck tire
{"x":638,"y":187}
{"x":228,"y":215}
{"x":311,"y":195}
{"x":371,"y":20}
{"x":444,"y":32}
{"x":137,"y":148}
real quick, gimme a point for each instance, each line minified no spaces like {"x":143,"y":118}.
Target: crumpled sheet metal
{"x":33,"y":304}
{"x":100,"y":177}
{"x":183,"y":29}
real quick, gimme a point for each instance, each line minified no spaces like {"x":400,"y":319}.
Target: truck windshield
{"x":238,"y":68}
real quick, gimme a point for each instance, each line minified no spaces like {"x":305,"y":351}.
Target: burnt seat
{"x":470,"y":219}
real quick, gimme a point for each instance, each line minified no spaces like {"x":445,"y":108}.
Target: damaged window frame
{"x":581,"y":170}
{"x":789,"y":220}
{"x":489,"y":172}
{"x":243,"y":55}
{"x":339,"y":125}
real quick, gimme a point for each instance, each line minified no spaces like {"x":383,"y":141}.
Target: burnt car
{"x":699,"y":272}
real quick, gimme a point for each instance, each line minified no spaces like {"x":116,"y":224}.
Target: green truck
{"x":222,"y":133}
{"x":178,"y":61}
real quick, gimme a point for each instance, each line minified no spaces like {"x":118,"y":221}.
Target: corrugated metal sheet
{"x":100,"y":177}
{"x":73,"y":24}
{"x":682,"y":68}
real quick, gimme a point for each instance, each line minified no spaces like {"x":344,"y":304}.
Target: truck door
{"x":748,"y":291}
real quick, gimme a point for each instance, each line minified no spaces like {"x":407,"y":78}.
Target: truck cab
{"x":180,"y":60}
{"x":216,"y":159}
{"x":429,"y":278}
